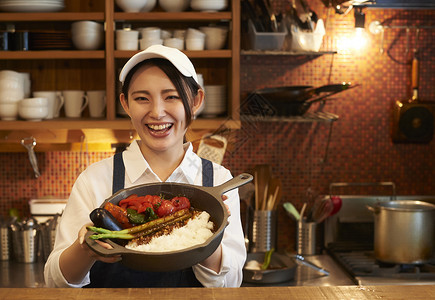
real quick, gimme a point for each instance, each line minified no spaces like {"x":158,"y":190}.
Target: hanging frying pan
{"x":296,"y":100}
{"x":413,"y":120}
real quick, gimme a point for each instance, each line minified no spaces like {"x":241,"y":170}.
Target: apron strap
{"x":118,"y":173}
{"x":207,"y":173}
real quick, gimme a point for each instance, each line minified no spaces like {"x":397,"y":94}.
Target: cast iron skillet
{"x":296,"y":100}
{"x":203,"y":198}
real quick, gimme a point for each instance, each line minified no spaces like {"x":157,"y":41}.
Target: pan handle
{"x":331,"y":93}
{"x":235,"y":182}
{"x":97,"y":248}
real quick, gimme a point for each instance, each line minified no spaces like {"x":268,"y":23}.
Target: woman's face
{"x":156,"y":109}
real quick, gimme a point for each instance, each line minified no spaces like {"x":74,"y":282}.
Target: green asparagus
{"x":140,"y":230}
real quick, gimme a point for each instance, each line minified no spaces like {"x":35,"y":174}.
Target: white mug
{"x":97,"y":103}
{"x":75,"y":102}
{"x":55,"y":102}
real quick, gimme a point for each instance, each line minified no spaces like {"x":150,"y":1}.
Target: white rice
{"x":195,"y":232}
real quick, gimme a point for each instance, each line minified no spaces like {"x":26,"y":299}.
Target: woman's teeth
{"x":160,"y":126}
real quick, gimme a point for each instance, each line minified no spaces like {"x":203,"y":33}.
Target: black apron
{"x":116,"y":275}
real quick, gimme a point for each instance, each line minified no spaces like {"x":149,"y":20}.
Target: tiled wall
{"x":308,"y":155}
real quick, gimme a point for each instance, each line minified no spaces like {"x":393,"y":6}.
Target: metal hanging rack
{"x":376,"y":27}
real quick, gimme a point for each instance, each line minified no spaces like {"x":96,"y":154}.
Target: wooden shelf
{"x":191,"y":54}
{"x":283,"y":53}
{"x":53,"y":54}
{"x":308,"y":117}
{"x":51,"y":16}
{"x":64,"y":69}
{"x":118,"y":124}
{"x":172,"y":16}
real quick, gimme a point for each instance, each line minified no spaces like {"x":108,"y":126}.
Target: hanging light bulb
{"x":360,"y":39}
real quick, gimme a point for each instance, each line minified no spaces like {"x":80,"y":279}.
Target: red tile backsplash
{"x":355,"y":148}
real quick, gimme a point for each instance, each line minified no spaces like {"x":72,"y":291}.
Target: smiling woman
{"x":160,"y":94}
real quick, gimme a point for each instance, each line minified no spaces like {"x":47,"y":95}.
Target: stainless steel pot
{"x":404,"y":231}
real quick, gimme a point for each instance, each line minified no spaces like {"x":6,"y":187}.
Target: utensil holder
{"x":25,"y":245}
{"x":5,"y":243}
{"x":306,"y":238}
{"x":263,"y":231}
{"x":48,"y":234}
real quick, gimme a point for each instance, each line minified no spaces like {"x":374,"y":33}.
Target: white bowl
{"x":174,"y":5}
{"x":127,"y":34}
{"x":179,"y":33}
{"x":165,"y":34}
{"x":11,"y":84}
{"x":11,"y":95}
{"x":8,"y":111}
{"x":143,"y":44}
{"x":129,"y":44}
{"x":9,"y":74}
{"x":86,"y":26}
{"x":215,"y":31}
{"x":174,"y":43}
{"x":150,"y":4}
{"x":150,"y":33}
{"x":209,"y":5}
{"x":131,"y":5}
{"x":34,"y":102}
{"x":88,"y":41}
{"x":30,"y":113}
{"x":216,"y":37}
{"x":193,"y":33}
{"x":195,"y":44}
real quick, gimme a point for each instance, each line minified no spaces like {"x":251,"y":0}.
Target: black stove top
{"x":362,"y":266}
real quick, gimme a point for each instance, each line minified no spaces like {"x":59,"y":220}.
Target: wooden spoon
{"x":274,"y":193}
{"x":263,"y":174}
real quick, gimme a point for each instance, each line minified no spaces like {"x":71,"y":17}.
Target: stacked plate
{"x":31,"y":5}
{"x":215,"y":101}
{"x":50,"y":40}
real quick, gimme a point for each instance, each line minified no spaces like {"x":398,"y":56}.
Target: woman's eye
{"x":140,"y":98}
{"x":173,"y":97}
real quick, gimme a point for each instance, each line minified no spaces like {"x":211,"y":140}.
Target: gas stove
{"x":364,"y":269}
{"x":349,"y":241}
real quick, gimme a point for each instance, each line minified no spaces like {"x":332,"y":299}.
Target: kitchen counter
{"x":22,"y":275}
{"x":311,"y":292}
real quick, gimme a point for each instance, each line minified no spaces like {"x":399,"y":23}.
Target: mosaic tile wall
{"x":304,"y":155}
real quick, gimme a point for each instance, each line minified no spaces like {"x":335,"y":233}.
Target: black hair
{"x":186,"y":87}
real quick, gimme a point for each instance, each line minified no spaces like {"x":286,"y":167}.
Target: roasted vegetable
{"x":119,"y":213}
{"x":267,"y":257}
{"x":140,"y":230}
{"x":102,"y":218}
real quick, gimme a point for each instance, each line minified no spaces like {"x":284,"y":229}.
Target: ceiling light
{"x":360,"y":18}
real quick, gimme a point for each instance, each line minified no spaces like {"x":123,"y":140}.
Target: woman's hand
{"x":92,"y":254}
{"x":224,"y":197}
{"x":76,"y":260}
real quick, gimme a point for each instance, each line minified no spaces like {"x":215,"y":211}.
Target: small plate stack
{"x":215,"y":101}
{"x":31,"y":5}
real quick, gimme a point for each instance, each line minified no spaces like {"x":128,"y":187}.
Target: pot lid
{"x":407,"y":205}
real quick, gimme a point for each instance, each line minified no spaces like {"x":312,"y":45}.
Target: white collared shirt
{"x":94,"y":185}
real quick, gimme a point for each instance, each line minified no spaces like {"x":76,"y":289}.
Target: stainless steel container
{"x":48,"y":235}
{"x":306,"y":238}
{"x":25,"y":241}
{"x":404,"y":231}
{"x":263,"y":231}
{"x":5,"y":243}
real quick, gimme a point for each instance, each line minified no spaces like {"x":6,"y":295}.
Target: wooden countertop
{"x":321,"y":292}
